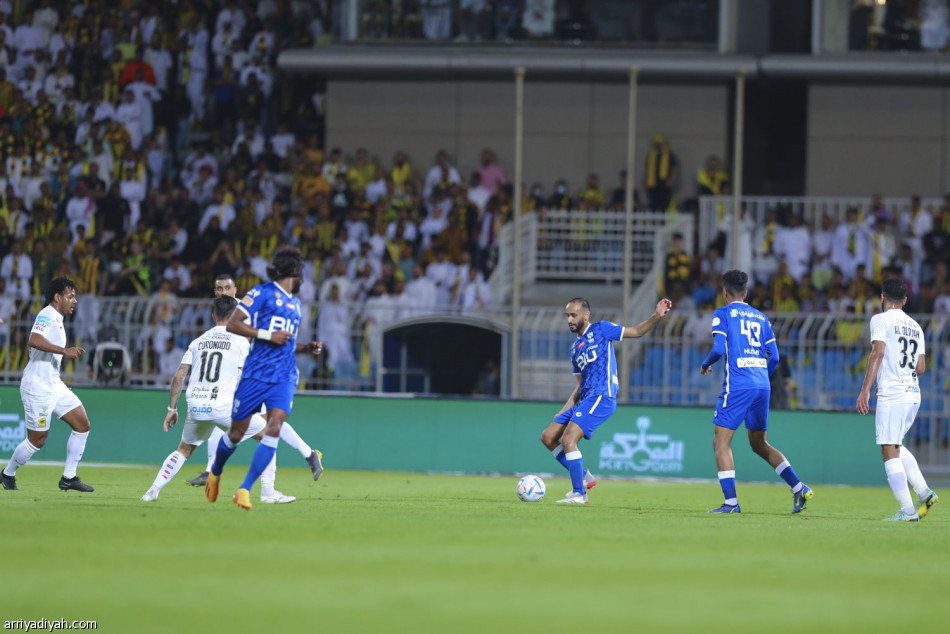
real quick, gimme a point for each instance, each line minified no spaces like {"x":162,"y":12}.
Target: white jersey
{"x":42,"y":371}
{"x":903,"y":343}
{"x":216,"y":359}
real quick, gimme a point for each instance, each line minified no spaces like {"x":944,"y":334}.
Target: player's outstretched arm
{"x":174,"y":392}
{"x":662,"y":307}
{"x":43,"y":344}
{"x":874,"y":364}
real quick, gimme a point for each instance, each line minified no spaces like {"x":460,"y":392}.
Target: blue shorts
{"x":589,"y":414}
{"x":251,"y":393}
{"x":752,"y":406}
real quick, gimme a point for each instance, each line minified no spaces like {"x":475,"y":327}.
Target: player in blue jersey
{"x":594,"y":399}
{"x":744,"y":336}
{"x":270,"y":373}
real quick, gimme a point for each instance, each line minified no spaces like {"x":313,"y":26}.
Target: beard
{"x":296,"y":286}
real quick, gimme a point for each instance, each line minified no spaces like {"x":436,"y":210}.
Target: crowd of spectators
{"x":834,"y":267}
{"x":148,"y":147}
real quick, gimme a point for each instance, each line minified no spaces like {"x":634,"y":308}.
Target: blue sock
{"x":786,"y":472}
{"x":727,"y":480}
{"x":262,"y":457}
{"x":575,"y":464}
{"x":559,"y":456}
{"x":225,"y":449}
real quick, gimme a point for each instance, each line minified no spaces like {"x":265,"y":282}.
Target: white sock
{"x":168,"y":470}
{"x":75,"y":446}
{"x":293,"y":439}
{"x":269,"y":476}
{"x":21,"y":455}
{"x":914,"y":477}
{"x":898,"y":481}
{"x":213,"y":440}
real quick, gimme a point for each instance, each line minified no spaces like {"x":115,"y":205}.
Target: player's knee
{"x":82,"y":425}
{"x":235,"y":435}
{"x":186,"y":450}
{"x":548,"y":440}
{"x":39,"y":441}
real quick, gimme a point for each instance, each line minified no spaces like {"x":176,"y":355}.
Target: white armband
{"x":172,"y":409}
{"x":263,"y":335}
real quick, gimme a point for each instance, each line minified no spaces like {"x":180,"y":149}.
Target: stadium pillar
{"x":739,"y":137}
{"x":516,"y":242}
{"x":627,"y":352}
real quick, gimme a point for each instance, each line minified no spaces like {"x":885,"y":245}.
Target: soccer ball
{"x":530,"y":488}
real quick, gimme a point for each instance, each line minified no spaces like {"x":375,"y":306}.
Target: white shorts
{"x":39,"y":407}
{"x":893,"y":420}
{"x":196,"y":432}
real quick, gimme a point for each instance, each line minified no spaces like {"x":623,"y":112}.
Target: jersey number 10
{"x":210,"y":370}
{"x":752,"y":330}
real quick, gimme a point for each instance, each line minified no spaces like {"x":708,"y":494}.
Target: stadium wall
{"x":571,"y":128}
{"x":893,"y":140}
{"x":475,"y":436}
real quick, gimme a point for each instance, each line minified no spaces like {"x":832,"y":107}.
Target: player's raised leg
{"x":925,"y":496}
{"x":726,"y":466}
{"x":169,"y":469}
{"x":313,"y":457}
{"x":801,"y":493}
{"x":75,"y":447}
{"x":551,"y":438}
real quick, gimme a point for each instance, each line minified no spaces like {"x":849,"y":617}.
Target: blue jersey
{"x":745,"y":336}
{"x":593,"y":357}
{"x":270,"y":307}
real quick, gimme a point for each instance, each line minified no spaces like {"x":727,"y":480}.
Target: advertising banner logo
{"x":642,"y":452}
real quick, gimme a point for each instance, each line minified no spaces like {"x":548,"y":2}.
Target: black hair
{"x":735,"y":282}
{"x":58,"y":287}
{"x":222,"y":307}
{"x":220,"y":277}
{"x":585,"y":305}
{"x":894,"y":289}
{"x":286,"y":262}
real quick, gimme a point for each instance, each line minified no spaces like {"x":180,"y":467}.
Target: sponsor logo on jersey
{"x":201,"y":409}
{"x":642,"y":452}
{"x":41,"y":422}
{"x":586,"y":358}
{"x":246,"y":300}
{"x":581,"y":344}
{"x":12,"y":432}
{"x":282,"y":323}
{"x":733,"y":313}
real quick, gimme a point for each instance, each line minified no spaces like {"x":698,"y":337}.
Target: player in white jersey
{"x":898,"y":357}
{"x":44,"y":394}
{"x":224,"y":285}
{"x":214,"y":362}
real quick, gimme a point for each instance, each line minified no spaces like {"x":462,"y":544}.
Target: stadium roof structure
{"x":364,"y":61}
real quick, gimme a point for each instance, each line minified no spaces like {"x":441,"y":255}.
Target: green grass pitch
{"x":400,"y":552}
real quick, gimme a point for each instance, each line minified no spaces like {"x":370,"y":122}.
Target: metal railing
{"x":586,"y":246}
